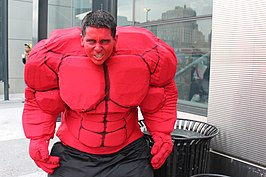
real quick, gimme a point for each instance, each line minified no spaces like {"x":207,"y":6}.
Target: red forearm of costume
{"x":163,"y":118}
{"x":41,"y":110}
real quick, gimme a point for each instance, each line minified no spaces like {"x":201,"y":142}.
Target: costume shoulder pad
{"x":159,"y":56}
{"x":45,"y":58}
{"x":65,"y":41}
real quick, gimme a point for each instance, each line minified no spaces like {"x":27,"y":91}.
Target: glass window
{"x":124,"y":13}
{"x":66,"y":13}
{"x":186,"y":26}
{"x":153,"y":10}
{"x":80,"y":9}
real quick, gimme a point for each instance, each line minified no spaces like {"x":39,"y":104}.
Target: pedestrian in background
{"x":27,"y":50}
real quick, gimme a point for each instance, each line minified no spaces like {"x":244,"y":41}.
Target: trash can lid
{"x":209,"y":175}
{"x":180,"y":133}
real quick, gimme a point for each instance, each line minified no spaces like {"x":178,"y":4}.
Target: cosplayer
{"x":98,"y":78}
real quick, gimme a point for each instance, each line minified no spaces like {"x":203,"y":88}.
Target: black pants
{"x":132,"y":161}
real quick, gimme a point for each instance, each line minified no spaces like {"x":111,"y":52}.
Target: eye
{"x":90,"y":41}
{"x":105,"y":41}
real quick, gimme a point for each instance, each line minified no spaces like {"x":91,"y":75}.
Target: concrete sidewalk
{"x":14,"y":158}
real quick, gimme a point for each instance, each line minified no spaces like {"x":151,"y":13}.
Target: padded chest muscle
{"x":129,"y":79}
{"x":81,"y":83}
{"x":123,"y":81}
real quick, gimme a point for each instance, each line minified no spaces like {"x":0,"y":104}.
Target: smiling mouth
{"x":98,"y":56}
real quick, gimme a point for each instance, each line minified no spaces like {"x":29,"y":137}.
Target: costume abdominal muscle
{"x":99,"y":103}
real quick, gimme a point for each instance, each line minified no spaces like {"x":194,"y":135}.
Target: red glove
{"x":161,"y":149}
{"x":39,"y":153}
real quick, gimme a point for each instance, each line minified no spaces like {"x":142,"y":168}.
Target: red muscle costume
{"x":99,"y":103}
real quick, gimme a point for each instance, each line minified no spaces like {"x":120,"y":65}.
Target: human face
{"x":27,"y":49}
{"x":98,"y":44}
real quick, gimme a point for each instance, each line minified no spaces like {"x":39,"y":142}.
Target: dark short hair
{"x":99,"y":19}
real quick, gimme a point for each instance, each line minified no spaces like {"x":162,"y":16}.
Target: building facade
{"x":220,"y":46}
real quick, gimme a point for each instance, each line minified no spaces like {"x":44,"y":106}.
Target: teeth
{"x":98,"y":55}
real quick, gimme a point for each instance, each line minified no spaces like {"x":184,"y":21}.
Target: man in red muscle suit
{"x":98,"y":77}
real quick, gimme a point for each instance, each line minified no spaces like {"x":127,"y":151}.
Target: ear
{"x":81,"y":41}
{"x":115,"y":39}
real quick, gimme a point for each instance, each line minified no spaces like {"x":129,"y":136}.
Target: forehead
{"x":94,"y":32}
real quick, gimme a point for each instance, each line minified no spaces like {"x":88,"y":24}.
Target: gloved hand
{"x":161,"y":149}
{"x":38,"y":150}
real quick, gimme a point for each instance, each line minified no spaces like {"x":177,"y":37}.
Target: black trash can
{"x":191,"y":148}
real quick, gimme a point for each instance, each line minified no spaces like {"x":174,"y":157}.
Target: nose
{"x":98,"y":47}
